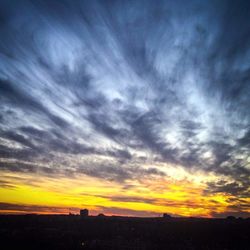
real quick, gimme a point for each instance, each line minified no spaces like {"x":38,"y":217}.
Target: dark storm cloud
{"x":106,"y":78}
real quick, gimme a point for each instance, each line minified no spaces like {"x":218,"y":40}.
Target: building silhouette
{"x":84,"y":212}
{"x":167,"y":216}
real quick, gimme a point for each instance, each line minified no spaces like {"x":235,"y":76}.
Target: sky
{"x":132,"y":108}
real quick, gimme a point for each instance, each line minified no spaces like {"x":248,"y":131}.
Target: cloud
{"x":124,"y":81}
{"x":24,"y":167}
{"x":6,"y":184}
{"x":35,"y":209}
{"x":119,"y":173}
{"x":237,"y":189}
{"x":125,"y":212}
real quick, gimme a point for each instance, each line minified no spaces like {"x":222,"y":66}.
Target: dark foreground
{"x":73,"y":232}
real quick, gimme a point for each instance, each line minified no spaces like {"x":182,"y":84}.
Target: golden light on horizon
{"x":152,"y":196}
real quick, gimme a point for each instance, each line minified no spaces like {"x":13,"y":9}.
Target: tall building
{"x":84,"y":212}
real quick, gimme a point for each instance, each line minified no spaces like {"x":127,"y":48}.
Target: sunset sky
{"x":132,"y":108}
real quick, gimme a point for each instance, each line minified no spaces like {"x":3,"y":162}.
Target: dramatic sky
{"x":125,"y":107}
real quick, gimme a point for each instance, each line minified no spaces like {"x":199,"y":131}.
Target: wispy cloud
{"x":100,"y":88}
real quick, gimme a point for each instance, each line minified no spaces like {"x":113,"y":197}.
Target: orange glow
{"x":155,"y":196}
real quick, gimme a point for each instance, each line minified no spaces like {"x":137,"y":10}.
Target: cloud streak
{"x":116,"y":85}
